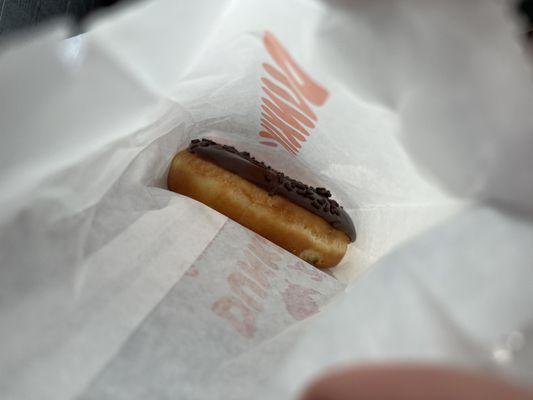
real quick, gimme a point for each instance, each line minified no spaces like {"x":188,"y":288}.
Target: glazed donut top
{"x":316,"y":200}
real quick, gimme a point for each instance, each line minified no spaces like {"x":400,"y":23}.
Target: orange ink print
{"x":286,"y":114}
{"x":299,"y":301}
{"x":192,"y":272}
{"x":249,"y":281}
{"x":314,"y":273}
{"x":256,"y":269}
{"x":237,"y":281}
{"x":244,"y":322}
{"x":269,"y":258}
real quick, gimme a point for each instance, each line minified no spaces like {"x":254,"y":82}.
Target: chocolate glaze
{"x":316,"y":200}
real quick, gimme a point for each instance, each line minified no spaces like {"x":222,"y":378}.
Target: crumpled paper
{"x":114,"y":287}
{"x":457,"y":296}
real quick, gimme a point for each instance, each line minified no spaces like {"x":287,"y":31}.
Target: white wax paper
{"x":111,"y":285}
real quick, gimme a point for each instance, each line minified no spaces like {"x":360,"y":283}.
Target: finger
{"x":410,"y":382}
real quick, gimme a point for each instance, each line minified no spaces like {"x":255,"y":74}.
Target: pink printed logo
{"x":248,"y":286}
{"x":251,"y":282}
{"x":314,"y":273}
{"x":300,"y":301}
{"x":192,"y":272}
{"x":286,"y":112}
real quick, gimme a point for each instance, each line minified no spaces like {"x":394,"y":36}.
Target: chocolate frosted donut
{"x":304,"y":220}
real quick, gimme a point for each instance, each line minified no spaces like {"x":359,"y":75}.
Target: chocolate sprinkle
{"x":315,"y":200}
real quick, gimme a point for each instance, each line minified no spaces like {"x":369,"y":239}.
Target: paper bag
{"x":114,"y":287}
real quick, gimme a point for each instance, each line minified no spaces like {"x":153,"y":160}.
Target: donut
{"x":302,"y":219}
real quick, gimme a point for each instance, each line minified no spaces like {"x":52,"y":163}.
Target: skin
{"x":410,"y":382}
